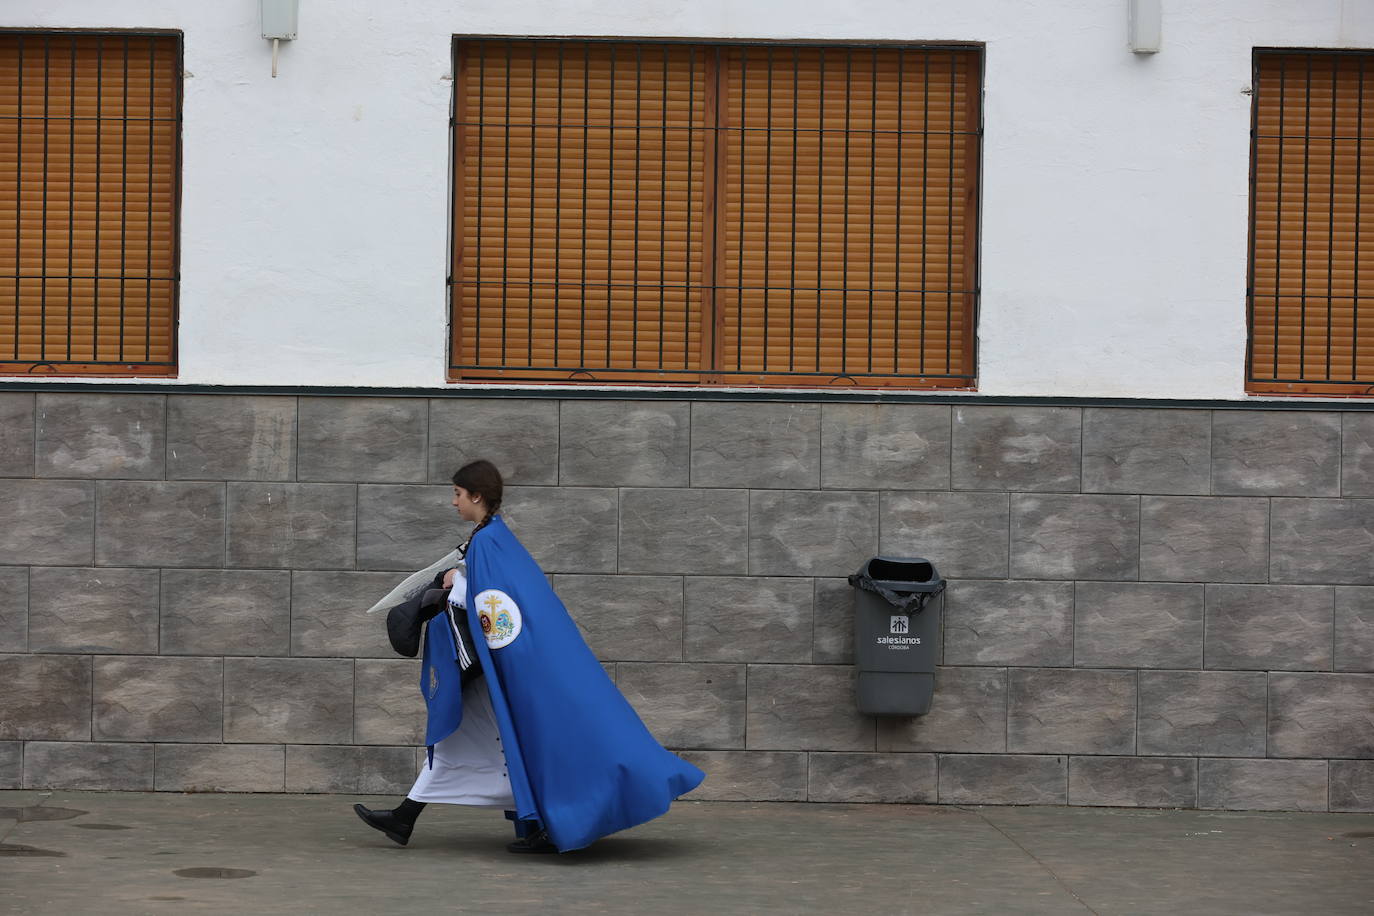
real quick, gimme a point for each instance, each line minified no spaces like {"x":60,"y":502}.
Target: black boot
{"x":537,"y":841}
{"x":393,"y":823}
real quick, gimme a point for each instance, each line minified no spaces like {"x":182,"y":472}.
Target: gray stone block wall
{"x":1147,"y":606}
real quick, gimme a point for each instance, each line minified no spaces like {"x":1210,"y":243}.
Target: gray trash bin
{"x":897,"y":608}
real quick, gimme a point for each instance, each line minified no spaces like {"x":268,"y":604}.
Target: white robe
{"x":469,"y":765}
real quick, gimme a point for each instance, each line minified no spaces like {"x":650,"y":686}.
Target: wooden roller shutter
{"x":1312,"y":197}
{"x":578,"y":211}
{"x":714,"y":214}
{"x":850,"y":201}
{"x":89,"y":163}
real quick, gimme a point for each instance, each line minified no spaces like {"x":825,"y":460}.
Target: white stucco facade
{"x":314,"y":220}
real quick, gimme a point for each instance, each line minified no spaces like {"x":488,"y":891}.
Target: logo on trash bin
{"x":901,"y":624}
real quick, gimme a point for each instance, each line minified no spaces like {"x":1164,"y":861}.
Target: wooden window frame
{"x":141,"y":327}
{"x":712,"y":369}
{"x":1300,"y":342}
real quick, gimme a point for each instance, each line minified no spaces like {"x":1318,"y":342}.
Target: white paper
{"x":419,"y":580}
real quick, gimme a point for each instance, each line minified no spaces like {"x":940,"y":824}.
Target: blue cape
{"x":579,"y":758}
{"x":441,"y":682}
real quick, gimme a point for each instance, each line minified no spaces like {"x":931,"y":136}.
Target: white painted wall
{"x":314,"y":214}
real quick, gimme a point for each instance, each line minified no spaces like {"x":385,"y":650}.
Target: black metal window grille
{"x":688,"y":213}
{"x":90,"y":129}
{"x":1310,"y":291}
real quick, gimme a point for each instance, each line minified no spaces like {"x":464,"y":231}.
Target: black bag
{"x":907,"y":585}
{"x":405,"y":623}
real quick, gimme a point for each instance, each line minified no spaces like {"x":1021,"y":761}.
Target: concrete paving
{"x":116,"y":853}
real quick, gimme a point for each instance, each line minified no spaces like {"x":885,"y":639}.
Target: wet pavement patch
{"x":39,"y":813}
{"x":104,"y":827}
{"x":214,"y":873}
{"x":1359,"y":834}
{"x":21,"y":851}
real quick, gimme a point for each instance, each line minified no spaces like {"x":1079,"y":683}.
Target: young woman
{"x":544,"y":733}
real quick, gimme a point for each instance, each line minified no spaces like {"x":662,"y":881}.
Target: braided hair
{"x":481,"y":478}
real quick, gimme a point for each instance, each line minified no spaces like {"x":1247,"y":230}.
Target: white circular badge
{"x":499,"y":616}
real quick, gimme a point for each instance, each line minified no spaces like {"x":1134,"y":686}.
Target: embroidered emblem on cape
{"x":433,"y":682}
{"x":500,"y":617}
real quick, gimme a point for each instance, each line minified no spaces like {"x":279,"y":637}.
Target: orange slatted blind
{"x":672,"y":213}
{"x":579,"y":209}
{"x":89,"y":166}
{"x":849,"y":205}
{"x":1312,"y":251}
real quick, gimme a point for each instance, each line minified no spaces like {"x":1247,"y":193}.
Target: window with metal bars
{"x":90,"y":164}
{"x":1311,"y":283}
{"x":688,"y":213}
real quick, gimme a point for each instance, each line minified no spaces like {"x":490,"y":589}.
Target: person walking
{"x":543,"y":733}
